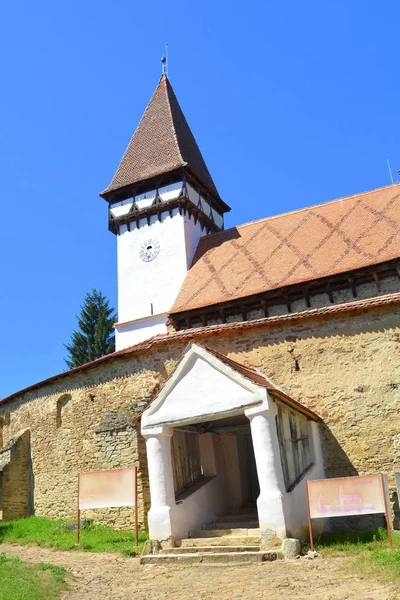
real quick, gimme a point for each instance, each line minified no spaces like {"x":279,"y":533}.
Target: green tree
{"x":95,"y":336}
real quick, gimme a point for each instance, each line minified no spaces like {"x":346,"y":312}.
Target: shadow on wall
{"x":31,"y":483}
{"x":17,"y":477}
{"x":338,"y":464}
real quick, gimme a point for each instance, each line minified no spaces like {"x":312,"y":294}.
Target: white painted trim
{"x":136,"y":332}
{"x":192,"y":420}
{"x":195,"y":351}
{"x":123,"y":323}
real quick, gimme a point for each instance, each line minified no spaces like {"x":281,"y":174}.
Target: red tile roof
{"x":211,"y":330}
{"x":304,"y":245}
{"x":161,"y":143}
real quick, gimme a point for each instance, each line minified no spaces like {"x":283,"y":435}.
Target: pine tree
{"x":95,"y":336}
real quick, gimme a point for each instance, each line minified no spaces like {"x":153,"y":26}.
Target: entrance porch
{"x":220,"y":436}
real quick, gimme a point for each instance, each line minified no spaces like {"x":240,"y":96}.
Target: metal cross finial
{"x":164,"y":60}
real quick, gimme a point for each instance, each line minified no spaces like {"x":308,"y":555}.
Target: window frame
{"x":293,"y":429}
{"x":186,"y":460}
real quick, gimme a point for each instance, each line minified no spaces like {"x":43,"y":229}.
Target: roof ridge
{"x":252,"y":370}
{"x":131,"y":138}
{"x":299,"y":210}
{"x":168,"y":87}
{"x":231,"y":359}
{"x":239,"y":367}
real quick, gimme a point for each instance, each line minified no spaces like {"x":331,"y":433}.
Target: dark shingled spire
{"x":161,"y":143}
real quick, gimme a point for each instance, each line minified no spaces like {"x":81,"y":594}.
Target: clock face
{"x":149,"y":250}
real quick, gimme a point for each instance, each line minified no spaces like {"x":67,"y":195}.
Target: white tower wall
{"x":148,"y":289}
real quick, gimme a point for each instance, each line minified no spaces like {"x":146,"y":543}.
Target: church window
{"x":186,"y":462}
{"x":61,"y":404}
{"x":294,"y":445}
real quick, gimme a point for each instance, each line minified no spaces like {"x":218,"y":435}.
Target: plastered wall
{"x":142,"y":284}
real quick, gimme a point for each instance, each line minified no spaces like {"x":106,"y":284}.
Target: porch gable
{"x":202,"y":387}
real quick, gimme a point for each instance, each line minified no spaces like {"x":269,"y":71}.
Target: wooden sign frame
{"x":386,"y":511}
{"x":135,"y":505}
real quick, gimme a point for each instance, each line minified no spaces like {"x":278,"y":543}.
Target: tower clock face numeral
{"x":149,"y":250}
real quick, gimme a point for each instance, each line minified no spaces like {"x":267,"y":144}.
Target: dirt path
{"x":111,"y":577}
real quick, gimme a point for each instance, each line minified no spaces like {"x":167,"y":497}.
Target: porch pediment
{"x":202,"y":387}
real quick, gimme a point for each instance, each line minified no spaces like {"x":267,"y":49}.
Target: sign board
{"x":346,"y":496}
{"x":107,"y":489}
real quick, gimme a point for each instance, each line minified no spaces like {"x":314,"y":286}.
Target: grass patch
{"x":354,"y":542}
{"x":370,"y":551}
{"x":50,"y":533}
{"x":23,"y":581}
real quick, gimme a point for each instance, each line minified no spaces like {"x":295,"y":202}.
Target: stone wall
{"x":346,"y":368}
{"x":348,"y":371}
{"x":94,"y":430}
{"x":16,"y":478}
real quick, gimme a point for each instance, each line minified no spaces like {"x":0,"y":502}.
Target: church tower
{"x":162,"y":199}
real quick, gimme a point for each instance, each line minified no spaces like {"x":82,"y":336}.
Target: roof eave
{"x":213,"y":192}
{"x":110,"y":190}
{"x":388,"y":300}
{"x":294,"y":404}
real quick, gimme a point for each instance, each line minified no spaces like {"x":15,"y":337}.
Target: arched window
{"x":61,"y":404}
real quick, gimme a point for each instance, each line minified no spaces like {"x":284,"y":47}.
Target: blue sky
{"x":292,"y":103}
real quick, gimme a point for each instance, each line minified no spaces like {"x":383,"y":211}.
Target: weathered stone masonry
{"x":16,"y":478}
{"x":344,"y":367}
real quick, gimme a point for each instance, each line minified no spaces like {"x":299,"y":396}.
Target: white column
{"x":162,"y":494}
{"x":269,"y":471}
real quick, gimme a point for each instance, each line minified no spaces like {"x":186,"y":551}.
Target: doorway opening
{"x":250,"y":485}
{"x":221,"y":449}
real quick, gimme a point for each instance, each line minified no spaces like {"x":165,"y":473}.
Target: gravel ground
{"x":111,"y":577}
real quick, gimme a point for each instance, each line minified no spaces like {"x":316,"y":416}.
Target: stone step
{"x":210,"y":549}
{"x":221,"y":541}
{"x":238,"y":517}
{"x":250,"y":510}
{"x":225,"y":558}
{"x":231,"y":525}
{"x":234,"y":532}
